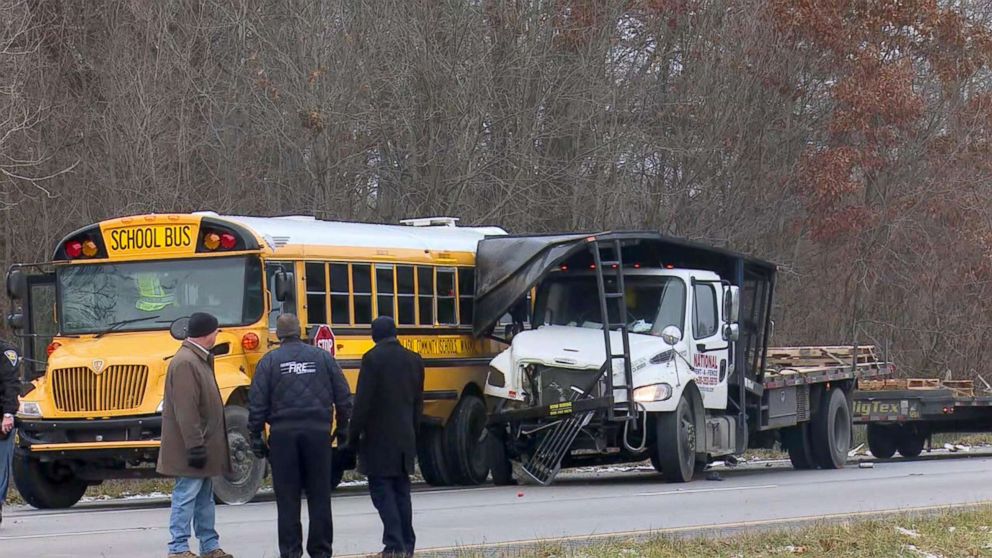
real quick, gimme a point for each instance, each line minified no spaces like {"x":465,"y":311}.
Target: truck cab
{"x":568,"y":339}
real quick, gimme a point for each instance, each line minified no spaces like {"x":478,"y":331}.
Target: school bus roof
{"x":301,"y":230}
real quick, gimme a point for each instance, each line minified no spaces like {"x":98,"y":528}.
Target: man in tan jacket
{"x":194,"y":439}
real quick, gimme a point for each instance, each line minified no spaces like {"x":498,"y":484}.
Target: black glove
{"x":197,"y":457}
{"x":259,"y":447}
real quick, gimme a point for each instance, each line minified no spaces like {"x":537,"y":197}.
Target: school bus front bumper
{"x":124,"y":435}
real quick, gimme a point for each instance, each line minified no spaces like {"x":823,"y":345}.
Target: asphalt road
{"x":579,"y":505}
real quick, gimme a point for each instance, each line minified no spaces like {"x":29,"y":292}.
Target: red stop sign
{"x":323,"y":338}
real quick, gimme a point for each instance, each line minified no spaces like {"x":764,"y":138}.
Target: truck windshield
{"x":149,"y":295}
{"x":653,"y":302}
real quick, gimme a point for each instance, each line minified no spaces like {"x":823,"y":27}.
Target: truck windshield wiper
{"x":113,"y":326}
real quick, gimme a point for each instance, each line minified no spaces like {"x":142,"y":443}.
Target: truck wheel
{"x":465,"y":434}
{"x":676,"y":443}
{"x":499,"y":461}
{"x":430,"y":456}
{"x":910,"y":442}
{"x":881,"y":441}
{"x":797,"y":440}
{"x":831,"y":430}
{"x":47,"y":485}
{"x":247,"y":471}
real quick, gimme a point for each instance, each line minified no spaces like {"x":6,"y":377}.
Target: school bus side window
{"x":466,"y":293}
{"x":446,"y":297}
{"x":340,"y":295}
{"x":406,"y":299}
{"x":384,"y":289}
{"x":361,"y":281}
{"x":425,"y":295}
{"x":316,"y":281}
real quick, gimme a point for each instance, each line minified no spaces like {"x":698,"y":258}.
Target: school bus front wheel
{"x":47,"y":484}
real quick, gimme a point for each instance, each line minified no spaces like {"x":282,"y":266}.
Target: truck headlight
{"x":654,"y":392}
{"x":29,"y":409}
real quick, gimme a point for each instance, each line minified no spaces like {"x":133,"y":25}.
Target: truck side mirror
{"x":732,"y":304}
{"x":17,"y":284}
{"x":283,"y":286}
{"x":671,"y":335}
{"x":731,"y":332}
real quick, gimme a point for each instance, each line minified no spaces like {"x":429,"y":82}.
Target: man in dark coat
{"x":9,"y":389}
{"x":194,"y":439}
{"x":389,"y":402}
{"x":293,"y":390}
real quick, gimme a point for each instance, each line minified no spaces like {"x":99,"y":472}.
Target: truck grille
{"x":117,"y":388}
{"x":557,"y":384}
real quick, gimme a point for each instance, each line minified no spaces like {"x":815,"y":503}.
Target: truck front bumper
{"x":555,"y":410}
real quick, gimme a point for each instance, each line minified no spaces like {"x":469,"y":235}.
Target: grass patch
{"x":959,"y":533}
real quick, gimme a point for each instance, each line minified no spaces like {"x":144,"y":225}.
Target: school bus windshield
{"x":150,"y":295}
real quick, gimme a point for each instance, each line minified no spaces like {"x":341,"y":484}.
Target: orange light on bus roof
{"x":89,"y":248}
{"x":211,"y":241}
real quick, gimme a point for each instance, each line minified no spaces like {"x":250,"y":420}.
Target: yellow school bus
{"x":108,"y":298}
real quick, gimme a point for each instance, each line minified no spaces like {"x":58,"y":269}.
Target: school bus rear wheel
{"x":47,"y":485}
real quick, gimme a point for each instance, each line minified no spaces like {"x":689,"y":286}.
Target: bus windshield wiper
{"x":113,"y":326}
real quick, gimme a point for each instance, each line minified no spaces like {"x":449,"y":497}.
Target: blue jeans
{"x":6,"y":458}
{"x":193,"y":500}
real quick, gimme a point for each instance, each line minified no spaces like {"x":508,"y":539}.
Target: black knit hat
{"x":201,"y":324}
{"x":383,"y":327}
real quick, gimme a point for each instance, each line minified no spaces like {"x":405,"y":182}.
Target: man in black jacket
{"x":293,"y":391}
{"x":10,"y":387}
{"x":389,"y":401}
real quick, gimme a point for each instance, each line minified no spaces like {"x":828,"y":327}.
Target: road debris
{"x":866,"y":465}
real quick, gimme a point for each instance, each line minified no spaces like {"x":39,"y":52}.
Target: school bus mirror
{"x":17,"y":284}
{"x":221,"y":349}
{"x":178,"y":329}
{"x":284,"y":286}
{"x":16,"y":320}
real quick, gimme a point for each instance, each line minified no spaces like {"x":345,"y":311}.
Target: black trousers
{"x":391,"y":496}
{"x":301,"y":462}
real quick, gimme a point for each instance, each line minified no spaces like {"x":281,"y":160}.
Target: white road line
{"x":79,"y":533}
{"x":697,"y":491}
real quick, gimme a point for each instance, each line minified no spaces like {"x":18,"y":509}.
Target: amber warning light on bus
{"x":82,"y":246}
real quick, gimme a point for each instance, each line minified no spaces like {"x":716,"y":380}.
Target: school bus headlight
{"x":161,"y":406}
{"x":29,"y":409}
{"x":654,"y":392}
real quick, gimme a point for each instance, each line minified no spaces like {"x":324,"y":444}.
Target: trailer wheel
{"x":676,"y":443}
{"x":831,"y":430}
{"x":247,"y":471}
{"x":465,"y":435}
{"x":430,"y":456}
{"x":797,"y":440}
{"x":47,"y":485}
{"x":910,"y":442}
{"x":881,"y":440}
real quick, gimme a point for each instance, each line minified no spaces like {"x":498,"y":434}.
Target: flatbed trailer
{"x":903,"y":414}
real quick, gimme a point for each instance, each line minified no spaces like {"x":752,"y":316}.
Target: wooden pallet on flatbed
{"x":807,"y":365}
{"x":960,"y":388}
